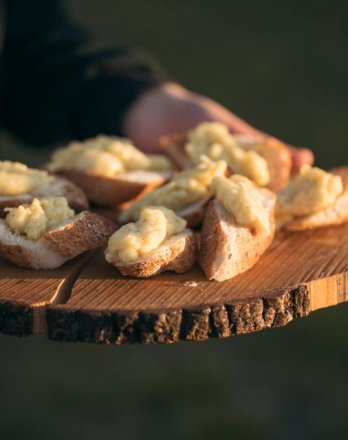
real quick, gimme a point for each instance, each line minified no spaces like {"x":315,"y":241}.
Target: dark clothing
{"x":52,"y":88}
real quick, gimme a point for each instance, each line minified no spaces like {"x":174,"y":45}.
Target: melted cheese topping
{"x":105,"y":156}
{"x":214,"y":140}
{"x":186,"y":187}
{"x":241,"y":198}
{"x":16,"y":178}
{"x":312,"y":190}
{"x":134,"y":240}
{"x":35,"y":219}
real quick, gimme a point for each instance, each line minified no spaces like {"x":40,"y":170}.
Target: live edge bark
{"x":16,"y":318}
{"x":193,"y":324}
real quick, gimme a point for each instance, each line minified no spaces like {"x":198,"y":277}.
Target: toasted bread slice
{"x":173,"y":145}
{"x":228,"y":249}
{"x":58,"y":187}
{"x":84,"y":232}
{"x":275,"y":152}
{"x":113,"y":191}
{"x":194,"y":213}
{"x":177,"y":254}
{"x":336,"y":214}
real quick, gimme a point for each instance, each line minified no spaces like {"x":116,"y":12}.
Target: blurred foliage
{"x":283,"y":67}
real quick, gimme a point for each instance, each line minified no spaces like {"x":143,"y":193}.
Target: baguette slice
{"x":173,"y":146}
{"x":177,"y":254}
{"x":336,"y":214}
{"x":194,"y":213}
{"x":228,"y":249}
{"x":113,"y":191}
{"x":84,"y":232}
{"x":275,"y":152}
{"x":58,"y":187}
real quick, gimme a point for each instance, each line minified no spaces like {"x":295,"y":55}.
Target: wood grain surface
{"x":25,"y":294}
{"x":302,"y":272}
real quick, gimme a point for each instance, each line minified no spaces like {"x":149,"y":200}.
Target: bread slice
{"x":173,"y":145}
{"x":113,"y":191}
{"x":194,"y":213}
{"x":84,"y":232}
{"x":228,"y":249}
{"x":58,"y":187}
{"x":275,"y":152}
{"x":336,"y":214}
{"x":177,"y":254}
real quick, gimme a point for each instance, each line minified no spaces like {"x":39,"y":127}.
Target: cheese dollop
{"x":135,"y":240}
{"x":35,"y":219}
{"x":105,"y":156}
{"x":16,"y":178}
{"x":241,"y":198}
{"x":214,"y":140}
{"x":311,"y":191}
{"x":185,"y":188}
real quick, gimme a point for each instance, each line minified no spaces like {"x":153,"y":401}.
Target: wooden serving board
{"x":87,"y":300}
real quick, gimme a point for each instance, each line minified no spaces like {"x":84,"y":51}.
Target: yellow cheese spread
{"x":16,"y":178}
{"x":214,"y":140}
{"x":35,"y":219}
{"x":241,"y":198}
{"x":312,"y":190}
{"x":105,"y":156}
{"x":135,"y":240}
{"x":186,"y":187}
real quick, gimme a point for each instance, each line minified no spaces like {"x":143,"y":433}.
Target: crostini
{"x":313,"y":199}
{"x":237,"y":229}
{"x":110,"y":170}
{"x":159,"y":241}
{"x":264,"y":160}
{"x":187,"y":194}
{"x":20,"y":184}
{"x":46,"y":233}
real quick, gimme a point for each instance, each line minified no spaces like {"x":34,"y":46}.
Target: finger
{"x":301,"y":156}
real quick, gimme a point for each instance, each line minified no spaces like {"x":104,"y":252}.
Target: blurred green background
{"x":283,"y":66}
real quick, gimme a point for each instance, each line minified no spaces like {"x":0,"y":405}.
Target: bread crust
{"x":58,"y":187}
{"x":228,"y":249}
{"x":107,"y":191}
{"x":176,"y":254}
{"x":334,"y":215}
{"x":84,"y":232}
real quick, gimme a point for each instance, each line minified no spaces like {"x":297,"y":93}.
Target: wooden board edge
{"x":167,"y":327}
{"x":18,"y":318}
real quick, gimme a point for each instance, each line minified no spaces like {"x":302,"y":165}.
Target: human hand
{"x":171,"y":108}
